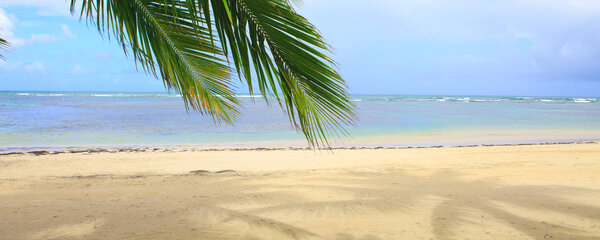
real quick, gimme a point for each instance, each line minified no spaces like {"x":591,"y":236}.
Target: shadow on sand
{"x":247,"y":207}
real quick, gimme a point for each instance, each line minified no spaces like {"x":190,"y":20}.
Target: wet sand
{"x":486,"y":192}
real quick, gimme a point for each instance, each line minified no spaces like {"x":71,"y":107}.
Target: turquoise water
{"x":58,"y":119}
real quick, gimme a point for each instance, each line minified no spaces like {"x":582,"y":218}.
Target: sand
{"x":490,"y":192}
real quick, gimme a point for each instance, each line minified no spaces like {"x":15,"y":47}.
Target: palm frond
{"x":269,"y":40}
{"x":163,"y":38}
{"x":189,"y":42}
{"x":3,"y":45}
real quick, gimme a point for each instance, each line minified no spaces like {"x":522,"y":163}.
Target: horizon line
{"x":352,"y":94}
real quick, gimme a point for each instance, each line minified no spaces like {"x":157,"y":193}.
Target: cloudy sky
{"x":457,"y":47}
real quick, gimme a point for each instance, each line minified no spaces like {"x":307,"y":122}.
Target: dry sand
{"x":499,"y":192}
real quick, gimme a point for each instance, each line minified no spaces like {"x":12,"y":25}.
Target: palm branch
{"x":3,"y":45}
{"x":191,"y":44}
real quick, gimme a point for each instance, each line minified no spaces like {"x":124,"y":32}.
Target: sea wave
{"x":248,"y":96}
{"x":584,"y":100}
{"x":475,"y":99}
{"x":359,"y":98}
{"x":51,"y":95}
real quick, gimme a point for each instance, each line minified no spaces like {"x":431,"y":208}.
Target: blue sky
{"x":456,"y":47}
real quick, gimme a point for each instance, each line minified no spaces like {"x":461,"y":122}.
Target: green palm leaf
{"x":268,"y":39}
{"x":189,"y":42}
{"x":162,"y":38}
{"x":3,"y":45}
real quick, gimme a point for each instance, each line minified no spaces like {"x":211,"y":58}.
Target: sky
{"x":416,"y":47}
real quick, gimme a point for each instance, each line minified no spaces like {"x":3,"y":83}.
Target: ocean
{"x":31,"y":120}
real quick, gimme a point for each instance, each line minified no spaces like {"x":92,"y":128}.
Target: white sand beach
{"x":491,"y":192}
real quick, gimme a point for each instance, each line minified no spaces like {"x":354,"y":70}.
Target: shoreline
{"x":65,"y":150}
{"x":394,"y":140}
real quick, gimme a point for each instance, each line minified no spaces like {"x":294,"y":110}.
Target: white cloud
{"x":30,"y":67}
{"x":8,"y":66}
{"x":35,"y":66}
{"x":103,"y":57}
{"x":7,"y":28}
{"x":41,"y":38}
{"x":78,"y":69}
{"x":557,"y":37}
{"x":66,"y":32}
{"x":47,"y":38}
{"x":452,"y":20}
{"x":43,"y":7}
